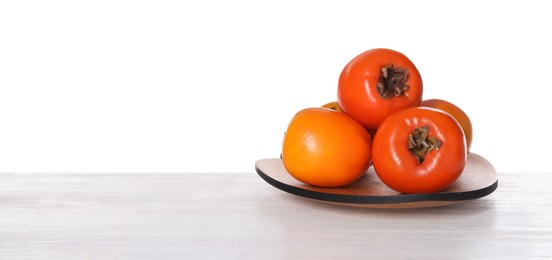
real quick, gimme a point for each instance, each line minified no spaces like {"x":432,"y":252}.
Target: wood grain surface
{"x":240,"y":216}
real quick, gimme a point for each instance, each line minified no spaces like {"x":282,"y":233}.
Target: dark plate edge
{"x":395,"y":199}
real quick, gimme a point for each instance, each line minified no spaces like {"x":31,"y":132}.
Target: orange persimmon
{"x":419,"y":150}
{"x":333,"y":105}
{"x":376,"y":83}
{"x":326,"y":148}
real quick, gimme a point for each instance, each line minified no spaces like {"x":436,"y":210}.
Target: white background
{"x":210,"y":86}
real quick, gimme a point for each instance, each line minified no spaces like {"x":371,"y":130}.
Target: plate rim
{"x":457,"y":196}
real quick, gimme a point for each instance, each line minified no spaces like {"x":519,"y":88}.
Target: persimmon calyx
{"x":392,"y":81}
{"x":420,"y":143}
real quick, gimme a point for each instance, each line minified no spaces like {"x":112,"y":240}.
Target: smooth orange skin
{"x":326,"y":148}
{"x":455,"y":112}
{"x":398,"y":168}
{"x":357,"y":93}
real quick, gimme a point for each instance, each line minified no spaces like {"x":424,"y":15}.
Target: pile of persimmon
{"x":379,"y":120}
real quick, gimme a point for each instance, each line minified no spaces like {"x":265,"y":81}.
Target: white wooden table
{"x":239,"y":216}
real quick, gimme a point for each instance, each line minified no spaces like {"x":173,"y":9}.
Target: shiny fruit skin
{"x":455,"y":112}
{"x":326,"y":148}
{"x":358,"y":93}
{"x":398,"y":167}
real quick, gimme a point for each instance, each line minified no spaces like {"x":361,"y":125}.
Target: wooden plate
{"x":479,"y":179}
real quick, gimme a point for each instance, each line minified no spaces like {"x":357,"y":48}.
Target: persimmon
{"x":419,"y":150}
{"x":455,"y":112}
{"x":326,"y":148}
{"x":333,"y":105}
{"x":376,"y":83}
